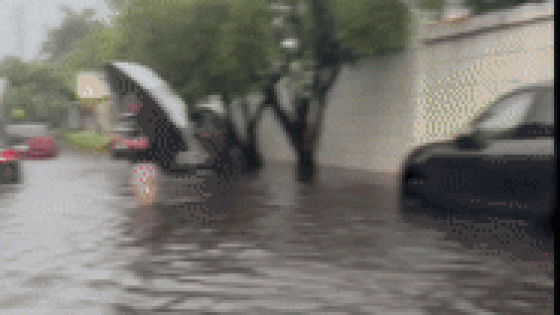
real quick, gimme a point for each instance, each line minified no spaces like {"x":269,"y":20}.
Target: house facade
{"x":93,"y":99}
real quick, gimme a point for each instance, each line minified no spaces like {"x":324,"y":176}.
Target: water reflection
{"x":345,"y":215}
{"x":346,"y":220}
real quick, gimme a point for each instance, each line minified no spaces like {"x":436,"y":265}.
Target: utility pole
{"x":20,"y":30}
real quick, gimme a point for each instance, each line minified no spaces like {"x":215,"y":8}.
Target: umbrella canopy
{"x":156,"y":87}
{"x":162,"y":114}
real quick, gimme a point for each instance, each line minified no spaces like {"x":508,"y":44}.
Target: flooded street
{"x":57,"y":231}
{"x":335,"y":247}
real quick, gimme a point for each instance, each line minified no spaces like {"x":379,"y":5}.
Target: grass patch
{"x":90,"y":142}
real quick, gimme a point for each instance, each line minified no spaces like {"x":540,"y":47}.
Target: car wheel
{"x":12,"y":173}
{"x":541,"y":226}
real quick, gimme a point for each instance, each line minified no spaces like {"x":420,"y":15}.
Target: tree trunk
{"x":254,"y":158}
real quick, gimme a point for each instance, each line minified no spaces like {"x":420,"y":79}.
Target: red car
{"x":42,"y":146}
{"x":34,"y":140}
{"x":125,"y":148}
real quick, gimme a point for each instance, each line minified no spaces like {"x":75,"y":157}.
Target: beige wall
{"x":92,"y":85}
{"x":368,"y":121}
{"x":457,"y":78}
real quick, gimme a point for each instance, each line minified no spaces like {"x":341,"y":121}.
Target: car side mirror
{"x":471,"y":141}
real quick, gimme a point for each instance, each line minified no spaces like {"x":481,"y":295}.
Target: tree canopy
{"x":35,"y":88}
{"x":200,"y":46}
{"x":74,"y":27}
{"x":205,"y":47}
{"x":216,"y":46}
{"x":372,"y":27}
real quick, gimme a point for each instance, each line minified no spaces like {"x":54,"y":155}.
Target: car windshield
{"x":506,"y":113}
{"x":26,"y":130}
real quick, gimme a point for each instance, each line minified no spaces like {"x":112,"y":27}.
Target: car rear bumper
{"x":10,"y":172}
{"x":123,"y":154}
{"x":40,"y":152}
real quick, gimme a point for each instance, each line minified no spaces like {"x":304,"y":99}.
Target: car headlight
{"x":413,"y":181}
{"x":422,"y":157}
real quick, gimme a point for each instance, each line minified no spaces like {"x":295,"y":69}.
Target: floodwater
{"x":74,"y":243}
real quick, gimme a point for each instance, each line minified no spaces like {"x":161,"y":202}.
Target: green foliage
{"x":372,"y":27}
{"x":483,"y":6}
{"x":80,"y":43}
{"x":205,"y":47}
{"x":90,"y":53}
{"x":15,"y":70}
{"x":116,"y":4}
{"x":75,"y":27}
{"x":201,"y":47}
{"x":246,"y":47}
{"x":36,"y":88}
{"x":90,"y":141}
{"x":435,"y":5}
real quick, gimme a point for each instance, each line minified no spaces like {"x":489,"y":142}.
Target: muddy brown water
{"x":347,"y":210}
{"x":339,"y":243}
{"x":348,"y":218}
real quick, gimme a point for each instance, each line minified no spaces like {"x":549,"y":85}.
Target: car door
{"x":511,"y":174}
{"x":498,"y":176}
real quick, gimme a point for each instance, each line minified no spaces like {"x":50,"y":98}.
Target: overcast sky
{"x":37,"y":17}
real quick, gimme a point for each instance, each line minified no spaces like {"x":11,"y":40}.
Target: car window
{"x":544,"y":109}
{"x":26,"y":130}
{"x":506,"y":113}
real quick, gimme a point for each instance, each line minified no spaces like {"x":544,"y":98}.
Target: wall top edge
{"x":467,"y":26}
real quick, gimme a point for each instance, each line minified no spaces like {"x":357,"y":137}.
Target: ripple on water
{"x":46,"y":279}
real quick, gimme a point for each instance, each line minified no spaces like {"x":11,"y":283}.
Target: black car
{"x":503,"y":166}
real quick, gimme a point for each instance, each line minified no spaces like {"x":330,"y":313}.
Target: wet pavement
{"x":336,"y":247}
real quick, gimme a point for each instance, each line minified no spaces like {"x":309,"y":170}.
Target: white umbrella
{"x":162,"y":115}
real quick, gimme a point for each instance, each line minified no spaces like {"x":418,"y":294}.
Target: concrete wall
{"x":464,"y":67}
{"x":378,"y":110}
{"x":74,"y":119}
{"x":368,"y":121}
{"x":3,"y":86}
{"x":104,"y":117}
{"x":91,"y":84}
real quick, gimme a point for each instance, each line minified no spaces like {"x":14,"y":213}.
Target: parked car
{"x":10,"y":166}
{"x":187,"y":175}
{"x":211,"y":131}
{"x":502,"y":165}
{"x":127,"y":138}
{"x":33,"y":140}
